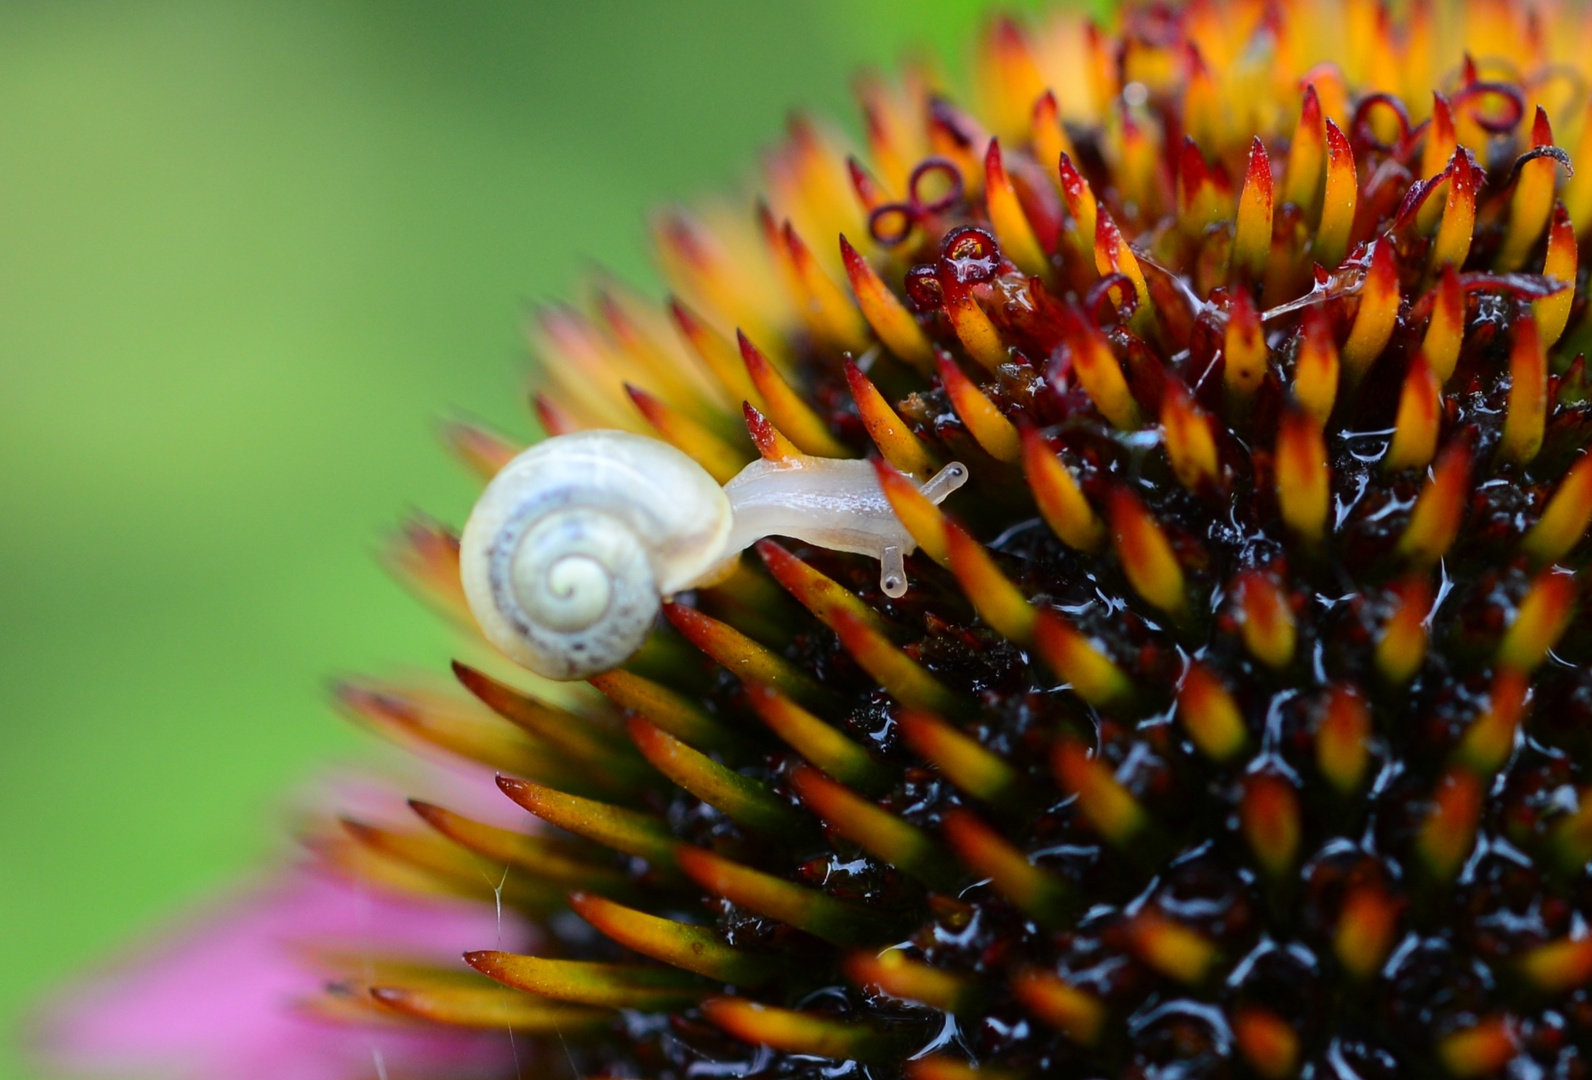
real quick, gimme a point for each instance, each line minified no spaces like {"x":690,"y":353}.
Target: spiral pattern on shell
{"x":567,"y":554}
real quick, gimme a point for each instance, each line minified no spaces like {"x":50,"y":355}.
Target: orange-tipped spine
{"x":743,"y":657}
{"x":1000,"y":603}
{"x":1061,"y":501}
{"x":585,"y":982}
{"x":1541,"y":618}
{"x":796,"y":1032}
{"x":1243,"y":350}
{"x":1532,"y":199}
{"x":985,"y":422}
{"x":1445,"y":331}
{"x":1448,"y":834}
{"x":719,"y":458}
{"x":1452,"y":243}
{"x":1564,"y":520}
{"x":1012,"y":230}
{"x":1439,"y":509}
{"x":961,"y":758}
{"x":1189,"y":442}
{"x":891,"y":973}
{"x":1146,"y":555}
{"x":1252,"y":233}
{"x":1343,"y":739}
{"x":1339,"y":198}
{"x":1210,"y":715}
{"x":908,"y":681}
{"x":1304,"y":480}
{"x":1042,"y":896}
{"x":1317,"y":366}
{"x":885,"y":312}
{"x":744,"y":800}
{"x":819,"y":743}
{"x":1078,"y":1014}
{"x":786,"y":408}
{"x":885,"y":427}
{"x":1109,"y":806}
{"x":819,"y":914}
{"x":1302,"y":177}
{"x":874,"y":829}
{"x":623,"y":830}
{"x":1420,"y":414}
{"x":1527,"y":409}
{"x":1269,"y":815}
{"x":1071,"y":654}
{"x":1376,"y":316}
{"x":1560,"y":263}
{"x":826,"y":306}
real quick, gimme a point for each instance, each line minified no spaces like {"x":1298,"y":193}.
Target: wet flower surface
{"x":1234,"y":723}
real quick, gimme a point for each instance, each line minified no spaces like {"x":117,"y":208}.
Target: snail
{"x":571,"y":549}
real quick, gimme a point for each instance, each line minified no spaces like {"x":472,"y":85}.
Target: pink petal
{"x":217,"y":999}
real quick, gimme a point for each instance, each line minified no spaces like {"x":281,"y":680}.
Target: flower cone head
{"x":1230,"y":720}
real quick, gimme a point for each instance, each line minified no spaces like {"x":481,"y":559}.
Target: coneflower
{"x":1232,"y":719}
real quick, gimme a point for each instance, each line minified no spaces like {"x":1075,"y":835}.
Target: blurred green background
{"x":250,"y":250}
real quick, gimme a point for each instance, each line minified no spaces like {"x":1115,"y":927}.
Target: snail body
{"x":572,"y":547}
{"x":835,"y":503}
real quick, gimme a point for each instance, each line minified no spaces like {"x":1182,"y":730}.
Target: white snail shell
{"x":570,"y":548}
{"x":573,"y":544}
